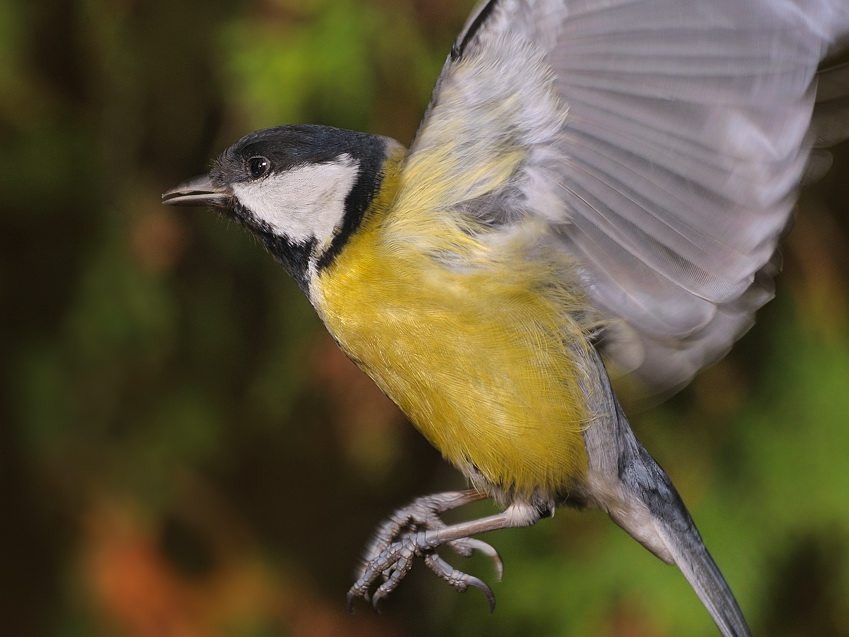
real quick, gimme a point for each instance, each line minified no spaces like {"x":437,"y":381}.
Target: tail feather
{"x":651,"y":511}
{"x":626,"y":482}
{"x":695,"y":562}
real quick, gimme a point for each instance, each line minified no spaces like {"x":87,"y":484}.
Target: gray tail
{"x":689,"y":553}
{"x":653,"y":513}
{"x":627,"y":483}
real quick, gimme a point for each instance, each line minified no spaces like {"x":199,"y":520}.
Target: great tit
{"x":591,"y":178}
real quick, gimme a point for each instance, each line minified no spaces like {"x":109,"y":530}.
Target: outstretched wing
{"x":663,"y":140}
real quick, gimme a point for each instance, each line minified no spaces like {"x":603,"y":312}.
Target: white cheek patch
{"x":304,"y":203}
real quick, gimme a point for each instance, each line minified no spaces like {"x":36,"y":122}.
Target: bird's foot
{"x":416,"y":531}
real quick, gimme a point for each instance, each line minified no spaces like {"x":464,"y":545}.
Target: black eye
{"x":258,"y":166}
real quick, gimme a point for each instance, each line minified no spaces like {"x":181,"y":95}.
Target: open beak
{"x":197,"y":192}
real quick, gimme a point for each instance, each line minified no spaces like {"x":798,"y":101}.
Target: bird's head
{"x":301,"y":189}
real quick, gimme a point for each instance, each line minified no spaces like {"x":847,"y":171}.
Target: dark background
{"x":184,"y":452}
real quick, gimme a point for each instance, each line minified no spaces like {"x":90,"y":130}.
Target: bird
{"x":596,"y":186}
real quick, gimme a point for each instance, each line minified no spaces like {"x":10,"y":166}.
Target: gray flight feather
{"x":666,"y":140}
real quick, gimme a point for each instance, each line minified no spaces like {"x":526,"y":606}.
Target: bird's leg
{"x":417,"y":530}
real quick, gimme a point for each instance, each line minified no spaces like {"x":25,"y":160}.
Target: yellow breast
{"x":474,"y":342}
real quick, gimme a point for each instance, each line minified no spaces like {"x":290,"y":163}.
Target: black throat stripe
{"x":371,"y":154}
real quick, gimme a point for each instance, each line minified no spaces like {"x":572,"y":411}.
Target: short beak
{"x":197,"y":192}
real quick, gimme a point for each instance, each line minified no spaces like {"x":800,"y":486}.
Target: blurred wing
{"x":663,"y":140}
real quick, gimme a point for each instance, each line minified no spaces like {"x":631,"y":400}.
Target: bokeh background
{"x":184,"y":452}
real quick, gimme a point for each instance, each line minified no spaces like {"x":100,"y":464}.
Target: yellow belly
{"x":474,"y":356}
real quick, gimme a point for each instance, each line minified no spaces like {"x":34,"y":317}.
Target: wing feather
{"x":663,"y":140}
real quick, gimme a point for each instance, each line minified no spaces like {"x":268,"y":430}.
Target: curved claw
{"x":375,"y":600}
{"x":485,"y":589}
{"x":353,"y":595}
{"x":466,"y":546}
{"x":458,"y":579}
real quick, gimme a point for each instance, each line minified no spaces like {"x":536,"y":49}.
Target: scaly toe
{"x":459,"y":580}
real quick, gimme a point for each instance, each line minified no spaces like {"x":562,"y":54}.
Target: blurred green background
{"x":184,"y":452}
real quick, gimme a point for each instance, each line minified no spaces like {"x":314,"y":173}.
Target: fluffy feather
{"x":674,"y":170}
{"x":478,"y":360}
